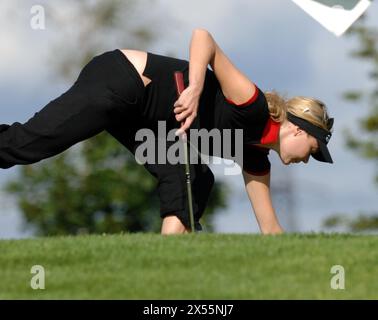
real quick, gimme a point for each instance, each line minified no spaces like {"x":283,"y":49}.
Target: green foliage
{"x":368,"y":51}
{"x":366,"y":146}
{"x":364,"y":222}
{"x":335,"y":221}
{"x":353,"y":96}
{"x":88,"y":27}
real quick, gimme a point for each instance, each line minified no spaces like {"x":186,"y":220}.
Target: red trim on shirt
{"x":251,"y":100}
{"x":271,"y":132}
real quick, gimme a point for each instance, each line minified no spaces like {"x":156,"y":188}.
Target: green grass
{"x":202,"y":266}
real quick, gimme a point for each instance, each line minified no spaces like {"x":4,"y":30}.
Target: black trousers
{"x":106,"y":96}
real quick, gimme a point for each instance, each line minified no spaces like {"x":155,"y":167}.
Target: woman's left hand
{"x":186,"y":108}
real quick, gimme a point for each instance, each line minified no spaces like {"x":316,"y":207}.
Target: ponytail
{"x":310,"y":109}
{"x":277,"y":106}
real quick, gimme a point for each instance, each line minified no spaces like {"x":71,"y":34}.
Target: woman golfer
{"x":122,"y":91}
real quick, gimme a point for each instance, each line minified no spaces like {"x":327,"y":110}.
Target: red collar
{"x":271,"y":132}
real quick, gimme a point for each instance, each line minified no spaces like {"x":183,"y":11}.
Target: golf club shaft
{"x":180,"y":87}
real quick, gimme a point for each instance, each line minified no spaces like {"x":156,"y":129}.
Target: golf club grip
{"x":179,"y":81}
{"x":180,"y":86}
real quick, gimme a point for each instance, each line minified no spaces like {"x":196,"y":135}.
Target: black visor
{"x":321,"y":135}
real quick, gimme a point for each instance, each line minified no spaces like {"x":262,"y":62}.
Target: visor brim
{"x":323,"y":154}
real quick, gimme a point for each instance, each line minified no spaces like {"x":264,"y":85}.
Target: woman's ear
{"x":298,"y":131}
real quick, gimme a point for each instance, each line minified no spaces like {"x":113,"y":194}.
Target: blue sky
{"x":275,"y":43}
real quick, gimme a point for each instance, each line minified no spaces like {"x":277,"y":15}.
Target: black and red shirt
{"x":215,"y":111}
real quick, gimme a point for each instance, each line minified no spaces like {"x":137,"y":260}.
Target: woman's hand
{"x":186,"y":107}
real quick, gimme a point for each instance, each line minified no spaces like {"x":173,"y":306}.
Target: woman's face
{"x":297,"y":145}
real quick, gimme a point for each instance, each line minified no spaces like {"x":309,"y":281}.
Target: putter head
{"x":335,"y":15}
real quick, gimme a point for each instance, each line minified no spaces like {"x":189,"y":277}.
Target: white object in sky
{"x":336,"y":16}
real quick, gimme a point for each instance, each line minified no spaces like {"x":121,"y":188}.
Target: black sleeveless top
{"x":214,"y":111}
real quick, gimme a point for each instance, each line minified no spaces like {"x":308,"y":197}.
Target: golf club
{"x":179,"y":81}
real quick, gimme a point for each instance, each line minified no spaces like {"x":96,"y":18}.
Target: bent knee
{"x":173,"y":225}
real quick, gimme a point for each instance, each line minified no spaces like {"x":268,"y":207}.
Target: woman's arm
{"x":234,"y":84}
{"x":201,"y":52}
{"x":258,"y":189}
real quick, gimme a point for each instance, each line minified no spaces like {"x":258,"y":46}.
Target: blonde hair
{"x":310,"y":109}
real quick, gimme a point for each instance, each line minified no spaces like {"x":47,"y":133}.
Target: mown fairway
{"x":202,"y":266}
